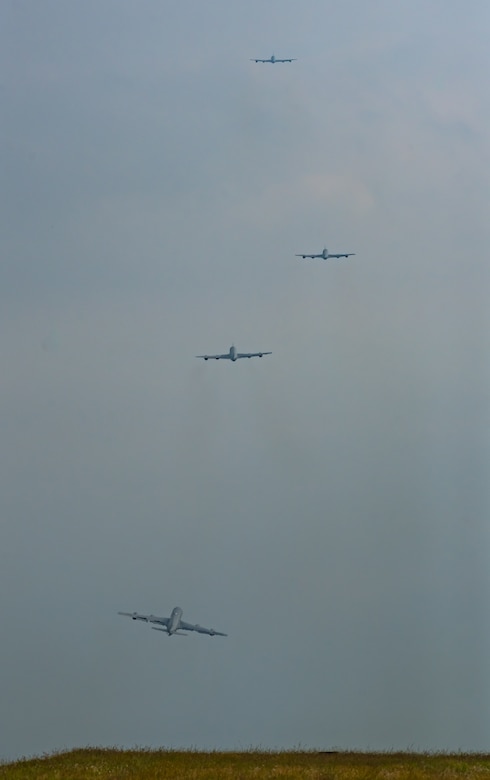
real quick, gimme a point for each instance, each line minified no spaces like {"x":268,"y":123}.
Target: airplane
{"x":233,"y":355}
{"x":273,"y":60}
{"x":173,"y":624}
{"x":326,"y":256}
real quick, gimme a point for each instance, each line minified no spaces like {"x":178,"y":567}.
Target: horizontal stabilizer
{"x":176,"y":633}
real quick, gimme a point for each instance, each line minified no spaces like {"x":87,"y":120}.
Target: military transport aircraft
{"x":273,"y":60}
{"x":173,"y":624}
{"x":233,"y":355}
{"x":324,"y":255}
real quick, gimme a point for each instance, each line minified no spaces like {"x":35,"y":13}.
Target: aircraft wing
{"x":312,"y":256}
{"x":344,"y":254}
{"x":252,"y":354}
{"x":254,"y":60}
{"x":293,"y":59}
{"x":147,"y":618}
{"x":214,"y":357}
{"x":199,"y":629}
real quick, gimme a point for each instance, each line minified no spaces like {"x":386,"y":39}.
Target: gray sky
{"x":326,"y":506}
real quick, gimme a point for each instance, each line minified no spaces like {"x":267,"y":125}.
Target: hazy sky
{"x":326,"y":506}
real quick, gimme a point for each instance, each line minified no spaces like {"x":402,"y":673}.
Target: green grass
{"x":108,"y":764}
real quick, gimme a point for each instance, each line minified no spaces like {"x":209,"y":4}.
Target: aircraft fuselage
{"x":174,"y":622}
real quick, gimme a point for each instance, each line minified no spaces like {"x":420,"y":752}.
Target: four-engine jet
{"x":325,"y":255}
{"x":173,"y":624}
{"x":273,"y":59}
{"x":233,"y":355}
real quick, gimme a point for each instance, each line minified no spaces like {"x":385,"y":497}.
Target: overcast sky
{"x":326,"y":506}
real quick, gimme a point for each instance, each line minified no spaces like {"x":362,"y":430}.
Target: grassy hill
{"x":108,"y":764}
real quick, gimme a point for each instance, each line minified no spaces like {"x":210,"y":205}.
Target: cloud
{"x":342,"y":190}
